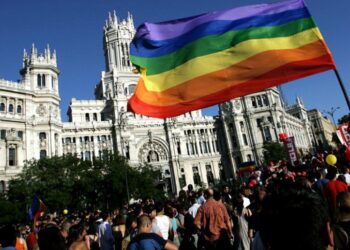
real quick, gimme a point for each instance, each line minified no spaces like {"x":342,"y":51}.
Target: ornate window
{"x":87,"y":117}
{"x":39,"y":81}
{"x":19,"y":109}
{"x":2,"y":107}
{"x":259,"y":101}
{"x":152,"y":156}
{"x":95,"y":117}
{"x":196,"y":177}
{"x":245,"y":140}
{"x":11,"y":108}
{"x":131,"y":88}
{"x":210,"y":175}
{"x":2,"y":134}
{"x":87,"y":156}
{"x":253,"y":102}
{"x":42,"y":136}
{"x":43,"y":154}
{"x":12,"y":156}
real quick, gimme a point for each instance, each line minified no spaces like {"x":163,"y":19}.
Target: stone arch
{"x":153,"y":151}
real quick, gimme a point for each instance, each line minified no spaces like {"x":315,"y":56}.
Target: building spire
{"x":34,"y":53}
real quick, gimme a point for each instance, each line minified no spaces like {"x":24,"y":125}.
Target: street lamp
{"x":121,"y":123}
{"x":331,"y":112}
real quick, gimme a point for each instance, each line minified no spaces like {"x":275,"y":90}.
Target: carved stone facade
{"x":188,"y":149}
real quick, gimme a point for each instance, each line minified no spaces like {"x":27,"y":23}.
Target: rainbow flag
{"x":196,"y":62}
{"x":247,"y":167}
{"x":35,"y":210}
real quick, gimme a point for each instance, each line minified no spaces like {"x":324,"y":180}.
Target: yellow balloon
{"x":331,"y":159}
{"x":65,"y":211}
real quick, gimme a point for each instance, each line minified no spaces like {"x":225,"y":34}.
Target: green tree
{"x":69,"y":183}
{"x":344,"y":119}
{"x":273,"y":151}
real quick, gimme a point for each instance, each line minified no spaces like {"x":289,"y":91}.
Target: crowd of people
{"x":279,"y":206}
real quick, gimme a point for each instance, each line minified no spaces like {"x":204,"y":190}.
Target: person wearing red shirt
{"x":332,"y":188}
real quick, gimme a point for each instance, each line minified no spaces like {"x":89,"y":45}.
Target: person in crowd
{"x":21,"y":244}
{"x":145,"y":240}
{"x":163,"y":222}
{"x":321,"y":181}
{"x":76,"y":237}
{"x":342,"y":223}
{"x":242,"y":239}
{"x":105,"y":235}
{"x":214,"y":222}
{"x":175,"y":224}
{"x":292,"y":218}
{"x":50,"y":238}
{"x":119,"y":229}
{"x":8,"y":238}
{"x":190,"y":237}
{"x":332,"y":188}
{"x":65,"y":225}
{"x":194,"y":207}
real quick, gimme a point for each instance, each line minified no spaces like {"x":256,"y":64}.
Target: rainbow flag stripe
{"x":196,"y":62}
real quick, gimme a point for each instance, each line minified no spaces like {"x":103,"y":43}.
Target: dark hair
{"x":104,"y":215}
{"x":332,"y":172}
{"x":148,"y":209}
{"x":51,"y":239}
{"x":7,"y":236}
{"x":297,"y":212}
{"x":75,"y":232}
{"x":159,"y":206}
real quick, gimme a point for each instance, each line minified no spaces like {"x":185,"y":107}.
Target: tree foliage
{"x":344,"y":119}
{"x":67,"y":182}
{"x":273,"y":151}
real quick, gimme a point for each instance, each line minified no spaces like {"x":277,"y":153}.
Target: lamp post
{"x":331,"y":112}
{"x":121,"y":123}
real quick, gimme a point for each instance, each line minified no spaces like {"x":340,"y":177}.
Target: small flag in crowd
{"x":247,"y":167}
{"x":36,"y":209}
{"x":199,"y":61}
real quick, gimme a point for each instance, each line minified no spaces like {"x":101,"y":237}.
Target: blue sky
{"x":74,"y":29}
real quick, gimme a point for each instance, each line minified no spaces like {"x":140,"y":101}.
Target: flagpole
{"x":342,"y":88}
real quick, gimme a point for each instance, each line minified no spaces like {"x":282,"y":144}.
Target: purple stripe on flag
{"x":174,"y":28}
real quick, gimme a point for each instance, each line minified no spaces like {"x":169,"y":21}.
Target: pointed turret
{"x":34,"y":53}
{"x":130,"y":21}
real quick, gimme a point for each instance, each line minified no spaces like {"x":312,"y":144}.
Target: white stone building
{"x":188,"y":149}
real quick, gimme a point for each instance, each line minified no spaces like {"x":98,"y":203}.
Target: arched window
{"x":152,"y":156}
{"x":43,"y":154}
{"x":11,"y":108}
{"x":259,"y":101}
{"x":2,"y":107}
{"x":245,"y":140}
{"x":196,"y":177}
{"x":39,"y":81}
{"x":19,"y":109}
{"x":43,"y":80}
{"x":210,"y":175}
{"x":253,"y":102}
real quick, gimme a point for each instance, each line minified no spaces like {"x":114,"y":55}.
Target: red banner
{"x":291,"y":150}
{"x":343,"y":134}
